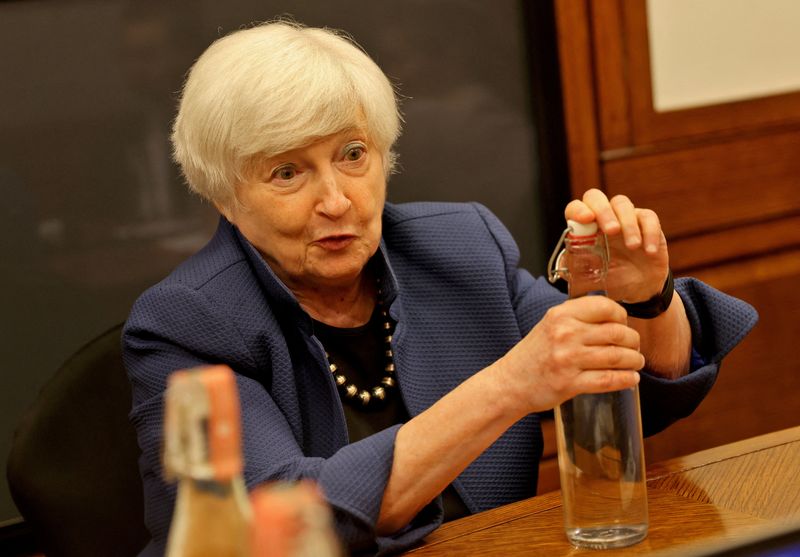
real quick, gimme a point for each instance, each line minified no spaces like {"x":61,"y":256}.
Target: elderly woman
{"x":395,"y":354}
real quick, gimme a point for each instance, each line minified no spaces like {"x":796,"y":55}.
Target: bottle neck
{"x":586,"y":260}
{"x":202,"y":431}
{"x":202,"y":451}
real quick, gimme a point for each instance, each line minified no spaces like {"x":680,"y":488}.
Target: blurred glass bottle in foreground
{"x":292,"y":520}
{"x":202,"y":450}
{"x":600,"y":448}
{"x":214,"y":517}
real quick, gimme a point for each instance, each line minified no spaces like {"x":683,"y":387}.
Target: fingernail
{"x":651,"y":248}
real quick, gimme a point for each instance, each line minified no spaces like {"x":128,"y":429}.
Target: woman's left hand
{"x":639,"y":257}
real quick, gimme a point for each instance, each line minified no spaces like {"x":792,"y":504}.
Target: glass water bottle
{"x":600,"y":449}
{"x":202,"y":450}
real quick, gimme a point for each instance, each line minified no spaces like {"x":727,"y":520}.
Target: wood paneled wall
{"x":725,"y":181}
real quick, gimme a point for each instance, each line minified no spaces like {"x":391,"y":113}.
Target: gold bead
{"x":389,"y":368}
{"x":387,"y":326}
{"x":364,"y":396}
{"x":341,"y":380}
{"x":351,"y":390}
{"x":388,"y":339}
{"x":379,"y":393}
{"x":333,"y":368}
{"x":389,"y":354}
{"x":388,"y":381}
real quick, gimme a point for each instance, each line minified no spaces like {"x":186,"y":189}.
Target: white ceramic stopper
{"x":581,"y":229}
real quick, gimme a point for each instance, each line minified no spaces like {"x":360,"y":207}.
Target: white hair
{"x":271,"y":88}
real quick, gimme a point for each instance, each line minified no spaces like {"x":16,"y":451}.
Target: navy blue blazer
{"x":460,"y":302}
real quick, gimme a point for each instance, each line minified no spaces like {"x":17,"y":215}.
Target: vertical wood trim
{"x":575,"y":58}
{"x":639,"y":76}
{"x":608,"y":34}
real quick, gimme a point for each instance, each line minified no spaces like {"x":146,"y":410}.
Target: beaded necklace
{"x":376,"y":396}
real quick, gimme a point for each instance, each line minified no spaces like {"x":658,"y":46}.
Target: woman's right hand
{"x":580,"y":346}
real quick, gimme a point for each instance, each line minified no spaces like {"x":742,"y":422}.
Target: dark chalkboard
{"x":93,"y":211}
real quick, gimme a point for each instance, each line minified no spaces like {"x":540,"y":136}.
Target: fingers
{"x":619,"y":358}
{"x":605,"y":381}
{"x":594,"y":206}
{"x":650,"y":226}
{"x":604,"y":213}
{"x":593,"y":348}
{"x":591,"y":309}
{"x":627,"y":216}
{"x":615,"y":334}
{"x":639,"y":227}
{"x":577,"y":210}
{"x":580,"y":346}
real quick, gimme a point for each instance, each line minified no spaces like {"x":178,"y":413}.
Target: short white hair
{"x":265,"y":90}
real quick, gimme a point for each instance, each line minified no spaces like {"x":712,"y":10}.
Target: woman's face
{"x":314,"y":213}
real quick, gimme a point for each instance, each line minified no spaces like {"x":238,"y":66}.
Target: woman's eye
{"x":354,"y":152}
{"x":284,"y":173}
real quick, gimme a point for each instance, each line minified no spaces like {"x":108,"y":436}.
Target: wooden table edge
{"x":548,"y":501}
{"x":723,"y":452}
{"x":489,"y":519}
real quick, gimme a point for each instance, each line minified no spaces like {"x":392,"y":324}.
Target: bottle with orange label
{"x":202,"y":451}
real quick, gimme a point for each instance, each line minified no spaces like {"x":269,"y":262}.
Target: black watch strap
{"x":656,"y":305}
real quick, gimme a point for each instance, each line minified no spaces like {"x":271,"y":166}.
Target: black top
{"x":359,"y":354}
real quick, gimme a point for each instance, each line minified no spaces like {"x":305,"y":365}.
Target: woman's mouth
{"x":335,"y":242}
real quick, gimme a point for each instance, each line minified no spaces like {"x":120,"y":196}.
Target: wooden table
{"x":710,"y":497}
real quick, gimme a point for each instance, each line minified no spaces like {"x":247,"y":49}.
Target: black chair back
{"x":73,"y":468}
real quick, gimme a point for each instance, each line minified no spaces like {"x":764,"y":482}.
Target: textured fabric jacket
{"x":460,"y":302}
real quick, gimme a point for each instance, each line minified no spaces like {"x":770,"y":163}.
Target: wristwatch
{"x":656,"y":305}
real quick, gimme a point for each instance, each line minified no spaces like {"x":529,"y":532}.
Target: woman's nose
{"x":333,"y":200}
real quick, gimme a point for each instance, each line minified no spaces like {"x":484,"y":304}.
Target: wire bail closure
{"x":554,"y":269}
